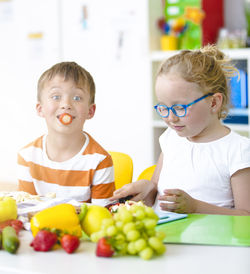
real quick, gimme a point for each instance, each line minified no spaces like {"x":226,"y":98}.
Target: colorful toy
{"x":183,"y":20}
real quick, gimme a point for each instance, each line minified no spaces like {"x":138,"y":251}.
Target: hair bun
{"x":213,"y":51}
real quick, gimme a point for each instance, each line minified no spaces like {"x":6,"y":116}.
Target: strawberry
{"x":104,"y":248}
{"x":4,"y":224}
{"x":70,"y":243}
{"x":44,"y":240}
{"x":16,"y":224}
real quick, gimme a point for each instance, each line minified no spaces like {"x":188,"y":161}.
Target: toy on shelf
{"x":171,"y":31}
{"x":181,"y":25}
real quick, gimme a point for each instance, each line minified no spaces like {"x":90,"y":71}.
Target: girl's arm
{"x":143,"y":190}
{"x":181,"y":202}
{"x":240,"y":182}
{"x":150,"y":198}
{"x":156,"y":175}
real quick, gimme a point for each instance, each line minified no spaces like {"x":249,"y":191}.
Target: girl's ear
{"x":216,"y":102}
{"x":39,"y":109}
{"x":92,"y":109}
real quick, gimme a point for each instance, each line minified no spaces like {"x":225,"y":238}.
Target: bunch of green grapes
{"x":132,"y":231}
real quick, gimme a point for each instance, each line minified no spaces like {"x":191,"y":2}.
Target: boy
{"x":66,"y":161}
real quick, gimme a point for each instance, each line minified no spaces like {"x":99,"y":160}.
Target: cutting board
{"x":208,"y":230}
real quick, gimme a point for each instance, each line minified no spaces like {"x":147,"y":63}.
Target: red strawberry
{"x":17,"y":225}
{"x":44,"y":240}
{"x":70,"y":243}
{"x":4,"y":224}
{"x":104,"y":248}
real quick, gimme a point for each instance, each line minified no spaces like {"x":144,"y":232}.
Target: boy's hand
{"x":178,"y":201}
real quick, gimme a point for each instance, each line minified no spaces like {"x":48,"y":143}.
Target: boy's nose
{"x":66,"y":103}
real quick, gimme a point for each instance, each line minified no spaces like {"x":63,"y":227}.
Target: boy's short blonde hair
{"x":69,"y":71}
{"x":208,"y":67}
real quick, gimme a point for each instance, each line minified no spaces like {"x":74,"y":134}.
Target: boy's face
{"x":58,"y":97}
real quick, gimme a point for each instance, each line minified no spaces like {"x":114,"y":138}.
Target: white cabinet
{"x":108,"y":38}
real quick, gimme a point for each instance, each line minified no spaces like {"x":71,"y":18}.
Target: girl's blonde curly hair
{"x":208,"y":67}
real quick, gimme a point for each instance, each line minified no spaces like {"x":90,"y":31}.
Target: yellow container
{"x":169,"y":42}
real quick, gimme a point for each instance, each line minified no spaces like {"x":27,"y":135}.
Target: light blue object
{"x":239,"y":92}
{"x":167,"y":216}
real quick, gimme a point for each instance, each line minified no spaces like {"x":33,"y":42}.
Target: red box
{"x":213,"y":21}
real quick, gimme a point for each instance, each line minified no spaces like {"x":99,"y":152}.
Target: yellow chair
{"x":147,"y":173}
{"x":123,"y":168}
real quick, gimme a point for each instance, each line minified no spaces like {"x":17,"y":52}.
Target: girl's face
{"x":172,"y":89}
{"x":58,"y":97}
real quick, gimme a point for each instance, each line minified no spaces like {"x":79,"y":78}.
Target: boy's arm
{"x":25,"y":182}
{"x":103,"y":184}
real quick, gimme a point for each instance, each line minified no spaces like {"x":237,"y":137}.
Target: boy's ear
{"x":39,"y":109}
{"x":92,"y":109}
{"x":216,"y":102}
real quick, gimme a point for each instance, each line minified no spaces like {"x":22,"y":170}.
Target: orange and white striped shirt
{"x":88,"y":176}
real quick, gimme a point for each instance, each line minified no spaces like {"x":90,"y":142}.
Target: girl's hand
{"x":141,"y":191}
{"x":179,"y":201}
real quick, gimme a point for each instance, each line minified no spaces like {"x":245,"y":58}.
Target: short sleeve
{"x":239,"y":155}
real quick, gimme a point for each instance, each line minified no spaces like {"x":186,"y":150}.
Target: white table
{"x":184,"y":259}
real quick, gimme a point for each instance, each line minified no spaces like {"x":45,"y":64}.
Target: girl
{"x":204,"y":167}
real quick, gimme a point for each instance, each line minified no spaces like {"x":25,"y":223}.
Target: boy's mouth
{"x":65,"y":118}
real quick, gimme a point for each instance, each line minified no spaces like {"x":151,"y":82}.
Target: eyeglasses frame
{"x":184,"y":106}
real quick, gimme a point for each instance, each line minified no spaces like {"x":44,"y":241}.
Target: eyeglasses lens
{"x":162,"y":111}
{"x":179,"y":111}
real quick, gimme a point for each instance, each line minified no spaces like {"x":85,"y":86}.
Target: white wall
{"x":21,"y":62}
{"x":120,"y":71}
{"x":234,"y":16}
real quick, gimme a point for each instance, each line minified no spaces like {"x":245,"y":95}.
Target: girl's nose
{"x":171,"y":117}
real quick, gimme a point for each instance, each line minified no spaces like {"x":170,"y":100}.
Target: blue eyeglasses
{"x":178,"y":109}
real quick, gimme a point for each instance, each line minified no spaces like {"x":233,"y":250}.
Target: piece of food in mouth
{"x":65,"y":118}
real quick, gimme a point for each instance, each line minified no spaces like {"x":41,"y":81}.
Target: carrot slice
{"x":65,"y":118}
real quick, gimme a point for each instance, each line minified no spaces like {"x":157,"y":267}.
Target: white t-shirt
{"x":203,"y":170}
